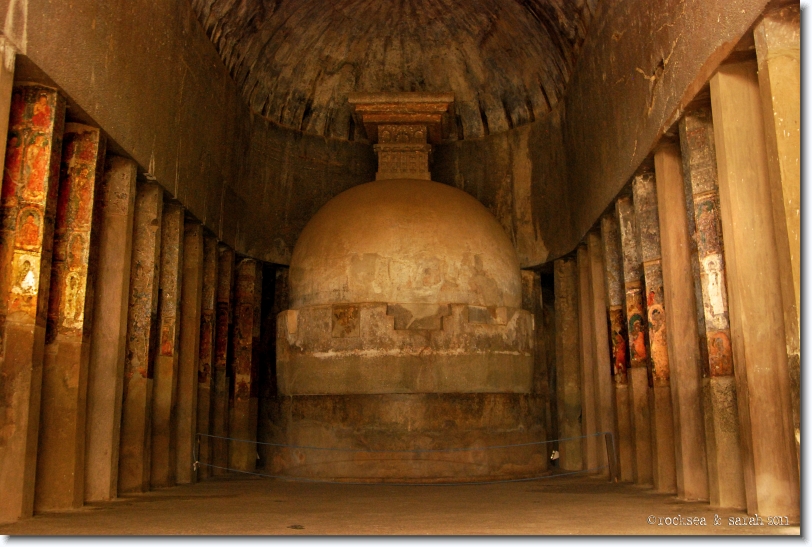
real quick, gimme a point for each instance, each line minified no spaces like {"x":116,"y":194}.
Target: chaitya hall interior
{"x":374,"y":267}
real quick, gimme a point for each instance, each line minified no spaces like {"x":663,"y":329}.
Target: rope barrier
{"x":609,"y":446}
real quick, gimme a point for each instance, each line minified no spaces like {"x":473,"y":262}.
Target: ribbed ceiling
{"x":506,"y":61}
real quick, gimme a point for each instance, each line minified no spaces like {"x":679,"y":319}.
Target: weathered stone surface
{"x":607,"y":418}
{"x":243,"y":398}
{"x":165,"y":380}
{"x":683,"y":337}
{"x":645,"y":62}
{"x":777,"y":39}
{"x":142,"y":341}
{"x":207,"y":355}
{"x":701,"y":176}
{"x":404,"y":241}
{"x":593,"y":445}
{"x":460,"y":357}
{"x":568,"y":366}
{"x":520,"y":176}
{"x":108,"y":340}
{"x":185,"y":419}
{"x":756,"y":308}
{"x":466,"y":423}
{"x":27,"y":214}
{"x":61,"y":452}
{"x":384,"y":48}
{"x":222,"y":329}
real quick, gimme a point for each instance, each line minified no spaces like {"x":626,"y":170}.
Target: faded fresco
{"x":619,"y":346}
{"x":658,"y":340}
{"x":28,"y":202}
{"x":248,"y":284}
{"x":71,"y":275}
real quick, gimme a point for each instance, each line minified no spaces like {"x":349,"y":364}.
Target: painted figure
{"x":28,"y":229}
{"x":41,"y":117}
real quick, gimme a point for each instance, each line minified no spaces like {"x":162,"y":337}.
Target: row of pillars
{"x":125,"y":328}
{"x":677,"y":318}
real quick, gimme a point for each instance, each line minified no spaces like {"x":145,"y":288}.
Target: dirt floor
{"x":244,"y":505}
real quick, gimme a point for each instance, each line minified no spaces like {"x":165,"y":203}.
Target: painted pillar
{"x":532,"y":302}
{"x":648,"y":228}
{"x":778,"y":40}
{"x":243,"y":400}
{"x":684,"y":358}
{"x":619,"y":348}
{"x":589,"y":407}
{"x":222,"y":358}
{"x":637,"y":328}
{"x":754,"y":293}
{"x":205,"y":371}
{"x":568,"y":364}
{"x":108,"y":338}
{"x":604,"y":387}
{"x":548,"y":328}
{"x":189,"y":361}
{"x":142,"y":340}
{"x":726,"y":486}
{"x":27,"y":211}
{"x":60,"y":482}
{"x":165,"y":382}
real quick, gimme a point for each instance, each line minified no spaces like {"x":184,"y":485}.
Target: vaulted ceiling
{"x":506,"y":61}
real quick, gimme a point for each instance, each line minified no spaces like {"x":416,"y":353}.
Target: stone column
{"x":164,"y":454}
{"x":778,"y":41}
{"x":188,"y":363}
{"x":683,"y":336}
{"x":532,"y":302}
{"x":726,"y":486}
{"x":27,"y":211}
{"x":754,"y":293}
{"x":243,"y":419}
{"x":604,"y":388}
{"x":568,"y":364}
{"x":648,"y":227}
{"x":589,"y":407}
{"x":205,"y":371}
{"x":142,"y":340}
{"x":60,"y":482}
{"x":639,"y":411}
{"x":222,"y":358}
{"x":613,"y":281}
{"x":108,"y":339}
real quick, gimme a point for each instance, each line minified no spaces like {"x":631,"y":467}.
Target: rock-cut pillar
{"x":61,"y":452}
{"x":604,"y":385}
{"x":754,"y":293}
{"x":242,"y":455}
{"x":27,"y":211}
{"x":662,"y":427}
{"x":189,"y":360}
{"x":618,"y":343}
{"x":223,"y":321}
{"x":726,"y":483}
{"x":142,"y":341}
{"x":205,"y":370}
{"x":637,"y":329}
{"x":684,"y":357}
{"x":778,"y":50}
{"x":108,"y":338}
{"x":568,"y":364}
{"x":165,"y":380}
{"x":592,"y":444}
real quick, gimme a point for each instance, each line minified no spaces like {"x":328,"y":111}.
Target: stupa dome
{"x":404,"y":241}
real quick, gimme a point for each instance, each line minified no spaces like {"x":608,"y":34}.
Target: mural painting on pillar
{"x":618,"y":335}
{"x":658,"y":341}
{"x":30,"y":180}
{"x":27,"y":214}
{"x":638,"y":352}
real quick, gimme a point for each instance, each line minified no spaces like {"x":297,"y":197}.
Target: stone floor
{"x":252,"y":505}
